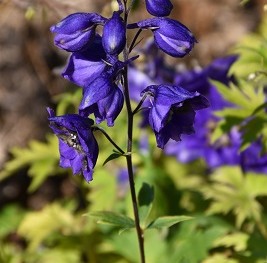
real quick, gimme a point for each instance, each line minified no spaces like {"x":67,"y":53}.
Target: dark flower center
{"x":72,"y":140}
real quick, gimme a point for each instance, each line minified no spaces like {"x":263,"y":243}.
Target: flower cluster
{"x":225,"y":151}
{"x":94,"y":65}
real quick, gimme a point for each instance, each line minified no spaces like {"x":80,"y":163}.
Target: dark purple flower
{"x":85,"y":66}
{"x":219,"y":68}
{"x":137,"y":80}
{"x":159,"y":7}
{"x":103,"y":98}
{"x":193,"y":80}
{"x":173,"y":111}
{"x":76,"y":31}
{"x":77,"y":145}
{"x":114,"y":35}
{"x":253,"y":160}
{"x":170,"y":35}
{"x":191,"y":147}
{"x":199,"y":79}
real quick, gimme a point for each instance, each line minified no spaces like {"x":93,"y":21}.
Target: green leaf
{"x":231,"y":191}
{"x":41,"y":157}
{"x":199,"y":233}
{"x":220,"y":258}
{"x":145,"y":202}
{"x":251,"y":131}
{"x":60,"y":256}
{"x":244,"y":96}
{"x":37,"y":226}
{"x":237,"y":240}
{"x":248,"y":114}
{"x":168,"y":221}
{"x":103,"y":195}
{"x":10,"y":217}
{"x":113,"y":156}
{"x":111,"y":218}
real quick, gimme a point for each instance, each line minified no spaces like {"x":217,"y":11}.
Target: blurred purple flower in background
{"x":224,"y":151}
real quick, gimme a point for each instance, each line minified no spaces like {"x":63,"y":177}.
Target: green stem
{"x":109,"y":139}
{"x":139,"y":231}
{"x":130,"y":115}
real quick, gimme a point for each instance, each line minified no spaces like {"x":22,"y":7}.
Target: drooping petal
{"x":157,"y":116}
{"x":181,"y":122}
{"x":111,"y":106}
{"x":86,"y":65}
{"x":173,"y":111}
{"x":66,"y":151}
{"x":76,"y":163}
{"x":97,"y":90}
{"x":77,"y":145}
{"x":88,"y":173}
{"x":167,"y":96}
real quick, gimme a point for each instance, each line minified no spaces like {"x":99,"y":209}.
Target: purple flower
{"x":219,"y":68}
{"x":103,"y":98}
{"x":253,"y":160}
{"x":122,"y":182}
{"x":137,"y":80}
{"x":159,"y":7}
{"x":172,"y":37}
{"x":114,"y":35}
{"x":85,"y":66}
{"x":198,"y":79}
{"x":77,"y":145}
{"x":76,"y":31}
{"x":173,"y":111}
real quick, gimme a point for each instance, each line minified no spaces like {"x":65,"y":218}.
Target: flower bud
{"x":114,"y":35}
{"x":159,"y":7}
{"x":170,"y":36}
{"x":75,"y":31}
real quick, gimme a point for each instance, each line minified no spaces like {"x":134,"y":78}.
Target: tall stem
{"x":139,"y":231}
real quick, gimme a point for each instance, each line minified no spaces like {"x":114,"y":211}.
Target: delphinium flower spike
{"x":95,"y":65}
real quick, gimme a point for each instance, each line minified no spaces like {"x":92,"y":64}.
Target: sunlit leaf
{"x":37,"y":226}
{"x":168,"y":221}
{"x":40,"y":157}
{"x":237,"y":240}
{"x":231,"y":191}
{"x":114,"y":219}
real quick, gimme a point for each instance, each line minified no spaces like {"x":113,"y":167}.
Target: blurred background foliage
{"x":46,"y":213}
